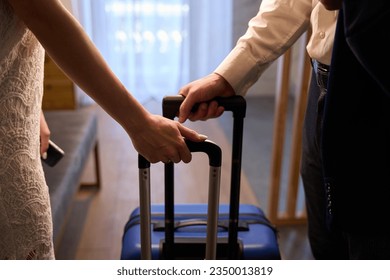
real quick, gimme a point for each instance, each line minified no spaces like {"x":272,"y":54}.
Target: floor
{"x":95,"y":225}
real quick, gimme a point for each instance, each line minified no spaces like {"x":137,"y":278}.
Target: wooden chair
{"x":291,"y":215}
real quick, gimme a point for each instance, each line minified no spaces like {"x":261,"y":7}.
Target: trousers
{"x":325,"y":243}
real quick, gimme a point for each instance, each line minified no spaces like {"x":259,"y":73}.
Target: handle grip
{"x":212,"y":150}
{"x":235,"y":104}
{"x":224,"y":225}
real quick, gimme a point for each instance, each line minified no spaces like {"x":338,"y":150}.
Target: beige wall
{"x":243,"y":11}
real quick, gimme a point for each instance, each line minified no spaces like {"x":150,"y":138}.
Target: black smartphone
{"x":54,"y":154}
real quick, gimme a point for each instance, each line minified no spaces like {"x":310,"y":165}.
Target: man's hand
{"x":201,"y":92}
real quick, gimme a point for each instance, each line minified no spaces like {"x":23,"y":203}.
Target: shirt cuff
{"x":240,"y":70}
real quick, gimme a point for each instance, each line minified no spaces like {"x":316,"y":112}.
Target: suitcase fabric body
{"x":256,"y":236}
{"x":179,"y":231}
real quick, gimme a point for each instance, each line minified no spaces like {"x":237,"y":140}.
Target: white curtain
{"x":157,"y":46}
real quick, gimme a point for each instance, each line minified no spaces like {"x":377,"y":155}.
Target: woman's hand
{"x":44,"y":135}
{"x":160,"y":139}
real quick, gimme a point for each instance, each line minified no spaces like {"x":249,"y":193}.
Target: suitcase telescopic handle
{"x":235,"y":104}
{"x":214,"y":153}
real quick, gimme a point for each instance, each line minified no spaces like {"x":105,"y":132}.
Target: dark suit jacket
{"x":356,"y":128}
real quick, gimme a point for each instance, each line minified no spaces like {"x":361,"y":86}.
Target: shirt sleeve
{"x":277,"y":25}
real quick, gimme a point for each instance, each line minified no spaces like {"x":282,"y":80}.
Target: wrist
{"x":225,"y":87}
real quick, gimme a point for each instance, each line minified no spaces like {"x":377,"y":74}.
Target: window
{"x":157,"y":46}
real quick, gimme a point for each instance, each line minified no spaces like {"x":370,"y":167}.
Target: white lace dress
{"x":25,"y":215}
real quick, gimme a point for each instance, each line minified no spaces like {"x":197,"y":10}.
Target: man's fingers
{"x":185,"y":108}
{"x":209,"y":111}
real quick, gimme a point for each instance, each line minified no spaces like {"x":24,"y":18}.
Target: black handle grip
{"x":235,"y":104}
{"x":213,"y":151}
{"x":143,"y":163}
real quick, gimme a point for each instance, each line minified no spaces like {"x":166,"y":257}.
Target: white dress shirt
{"x":275,"y":28}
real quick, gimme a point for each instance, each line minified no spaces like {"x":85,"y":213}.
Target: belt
{"x":322,"y":72}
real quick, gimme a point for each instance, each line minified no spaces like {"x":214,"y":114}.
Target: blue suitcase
{"x":200,"y":231}
{"x":256,"y":236}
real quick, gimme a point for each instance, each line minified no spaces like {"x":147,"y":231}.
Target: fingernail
{"x":44,"y":155}
{"x":202,"y":137}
